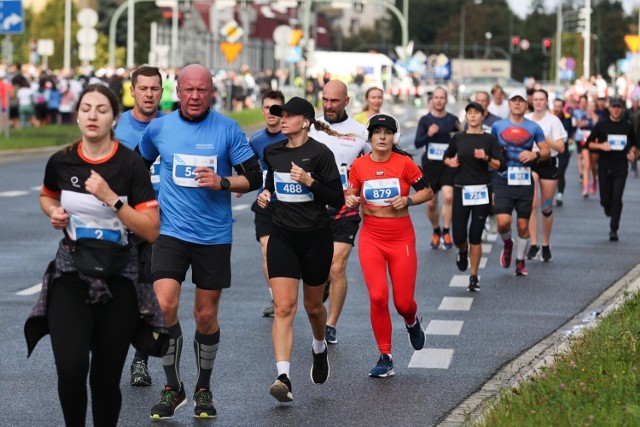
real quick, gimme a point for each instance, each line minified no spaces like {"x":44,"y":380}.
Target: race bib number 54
{"x":185,"y":165}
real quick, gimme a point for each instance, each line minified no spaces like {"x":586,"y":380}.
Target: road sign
{"x":231,"y":50}
{"x":232,"y":32}
{"x":11,"y":17}
{"x":633,"y":42}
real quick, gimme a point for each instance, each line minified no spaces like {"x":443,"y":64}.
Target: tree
{"x":48,"y":24}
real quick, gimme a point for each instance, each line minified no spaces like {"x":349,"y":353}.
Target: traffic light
{"x":546,"y":46}
{"x":515,"y":44}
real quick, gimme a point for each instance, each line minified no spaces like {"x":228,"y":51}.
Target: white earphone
{"x":304,"y":125}
{"x":396,"y":136}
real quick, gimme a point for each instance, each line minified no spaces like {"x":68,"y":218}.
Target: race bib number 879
{"x":377,"y":192}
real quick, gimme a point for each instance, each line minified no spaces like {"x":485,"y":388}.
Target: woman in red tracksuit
{"x":380,"y":182}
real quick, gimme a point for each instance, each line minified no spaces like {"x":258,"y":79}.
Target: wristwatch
{"x":224,"y":184}
{"x":117,"y":205}
{"x":409,"y":201}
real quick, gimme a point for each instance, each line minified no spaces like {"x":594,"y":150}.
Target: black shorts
{"x":438,"y":174}
{"x":510,"y":197}
{"x":305,"y":255}
{"x":262,"y":220}
{"x":210,"y":264}
{"x":345,"y":228}
{"x":547,"y":169}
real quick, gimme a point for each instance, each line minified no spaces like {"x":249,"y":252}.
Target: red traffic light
{"x":546,"y":43}
{"x":515,"y":40}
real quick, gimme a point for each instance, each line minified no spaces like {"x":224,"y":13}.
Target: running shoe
{"x":521,"y":270}
{"x":435,"y":241}
{"x":416,"y":335}
{"x":613,"y":236}
{"x":448,"y":241}
{"x":281,"y":389}
{"x":384,"y":367}
{"x":559,"y":199}
{"x":533,"y":252}
{"x":585,"y":191}
{"x":594,"y":187}
{"x":270,"y":311}
{"x":462,"y":260}
{"x":140,"y":373}
{"x":546,"y":254}
{"x":203,"y":402}
{"x":505,"y":255}
{"x":474,"y":284}
{"x":325,"y":294}
{"x":330,"y":335}
{"x":320,"y":370}
{"x":170,"y":401}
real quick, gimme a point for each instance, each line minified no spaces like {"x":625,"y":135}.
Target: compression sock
{"x":521,"y":247}
{"x":206,"y":348}
{"x":171,"y":359}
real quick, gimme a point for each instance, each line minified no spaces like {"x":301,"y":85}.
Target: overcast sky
{"x":521,"y":7}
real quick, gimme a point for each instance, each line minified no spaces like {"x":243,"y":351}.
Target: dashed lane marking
{"x":240,"y":207}
{"x":432,"y":358}
{"x":36,"y":188}
{"x":486,"y":248}
{"x":483,"y":262}
{"x":14,"y":193}
{"x":30,"y":291}
{"x":444,"y":327}
{"x":459,"y":281}
{"x":456,"y":303}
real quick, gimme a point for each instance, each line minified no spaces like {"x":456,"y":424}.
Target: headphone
{"x":396,"y":136}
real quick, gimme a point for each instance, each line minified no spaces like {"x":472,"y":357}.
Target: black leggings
{"x":92,"y":337}
{"x":612,"y":183}
{"x":460,"y":219}
{"x":563,"y":164}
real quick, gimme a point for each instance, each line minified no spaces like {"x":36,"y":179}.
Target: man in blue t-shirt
{"x":146,"y":90}
{"x":523,"y":142}
{"x":198,"y":149}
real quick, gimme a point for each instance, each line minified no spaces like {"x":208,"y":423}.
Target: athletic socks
{"x":283,"y":367}
{"x":206,"y":349}
{"x":505,"y":236}
{"x":171,"y":359}
{"x":521,"y":247}
{"x":318,"y":346}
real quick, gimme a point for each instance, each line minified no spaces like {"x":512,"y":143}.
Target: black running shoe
{"x":474,"y":284}
{"x":140,"y":374}
{"x":320,"y":369}
{"x":170,"y":401}
{"x":462,"y":260}
{"x":416,"y":335}
{"x":613,"y":236}
{"x":546,"y":254}
{"x":281,"y":389}
{"x":203,"y":402}
{"x":533,"y":252}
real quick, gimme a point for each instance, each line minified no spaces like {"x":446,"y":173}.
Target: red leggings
{"x":388,"y":242}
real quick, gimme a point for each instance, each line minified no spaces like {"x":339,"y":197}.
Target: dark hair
{"x":273,"y":94}
{"x":542,"y":91}
{"x":146,"y":71}
{"x":366,"y":95}
{"x":108,"y":93}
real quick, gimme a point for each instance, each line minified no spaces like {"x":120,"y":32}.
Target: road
{"x":469,"y":336}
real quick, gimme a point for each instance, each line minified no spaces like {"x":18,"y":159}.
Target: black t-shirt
{"x":298,"y":207}
{"x":473,"y":171}
{"x":608,"y":130}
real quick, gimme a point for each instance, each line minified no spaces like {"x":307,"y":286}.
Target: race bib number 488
{"x":288,"y":190}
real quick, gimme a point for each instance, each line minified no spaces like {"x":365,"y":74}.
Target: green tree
{"x":49,"y":24}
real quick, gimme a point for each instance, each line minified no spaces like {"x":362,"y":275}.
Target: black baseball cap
{"x":616,"y":102}
{"x":296,"y":106}
{"x":475,"y":106}
{"x":382,"y":120}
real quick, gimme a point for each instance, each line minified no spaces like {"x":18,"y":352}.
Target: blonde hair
{"x":324,"y":127}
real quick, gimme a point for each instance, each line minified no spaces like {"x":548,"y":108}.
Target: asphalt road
{"x":469,"y":336}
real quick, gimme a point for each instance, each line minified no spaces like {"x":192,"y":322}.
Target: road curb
{"x":542,"y":354}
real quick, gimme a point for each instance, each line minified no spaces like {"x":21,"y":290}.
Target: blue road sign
{"x":11,"y":17}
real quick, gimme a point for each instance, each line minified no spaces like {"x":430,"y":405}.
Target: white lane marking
{"x":459,"y":281}
{"x":15,"y":193}
{"x":444,"y":327}
{"x":240,"y":207}
{"x":30,"y":291}
{"x":456,"y":303}
{"x":486,"y":248}
{"x":432,"y":358}
{"x":491,"y":237}
{"x":483,"y":262}
{"x":36,"y":188}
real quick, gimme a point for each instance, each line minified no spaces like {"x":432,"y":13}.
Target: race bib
{"x":288,"y":190}
{"x":344,"y":177}
{"x":81,"y":227}
{"x":617,"y":142}
{"x":184,"y":168}
{"x":377,"y":192}
{"x":519,"y":175}
{"x":474,"y":195}
{"x":155,"y":171}
{"x":436,"y":151}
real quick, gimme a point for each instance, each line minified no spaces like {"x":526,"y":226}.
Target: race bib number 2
{"x":288,"y":190}
{"x":377,"y":192}
{"x":185,"y":165}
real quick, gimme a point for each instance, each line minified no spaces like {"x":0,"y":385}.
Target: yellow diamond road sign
{"x":633,"y":42}
{"x":232,"y":32}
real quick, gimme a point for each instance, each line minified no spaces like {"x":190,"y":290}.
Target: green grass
{"x":596,"y":384}
{"x":54,"y":135}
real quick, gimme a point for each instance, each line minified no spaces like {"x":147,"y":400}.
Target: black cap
{"x":296,"y":106}
{"x":382,"y":120}
{"x":475,"y":106}
{"x":616,"y":102}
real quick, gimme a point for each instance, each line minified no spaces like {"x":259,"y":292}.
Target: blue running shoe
{"x":416,"y":335}
{"x":330,"y":335}
{"x":384,"y":367}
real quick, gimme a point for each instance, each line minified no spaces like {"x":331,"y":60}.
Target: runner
{"x":374,"y":96}
{"x":565,"y":156}
{"x":514,"y":188}
{"x":303,"y":175}
{"x":434,"y":132}
{"x":380,"y":182}
{"x":470,"y":152}
{"x":545,"y":174}
{"x":346,"y":138}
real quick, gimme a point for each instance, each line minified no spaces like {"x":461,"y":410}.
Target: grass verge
{"x":54,"y":135}
{"x":596,"y":383}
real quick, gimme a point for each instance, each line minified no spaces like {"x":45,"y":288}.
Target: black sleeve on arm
{"x":329,"y":193}
{"x":146,"y":162}
{"x":420,"y":184}
{"x":422,"y":139}
{"x":250,"y":169}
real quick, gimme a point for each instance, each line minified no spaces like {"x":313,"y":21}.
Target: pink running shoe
{"x":505,"y":255}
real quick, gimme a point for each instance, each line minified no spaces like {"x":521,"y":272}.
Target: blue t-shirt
{"x":258,"y":143}
{"x":516,"y":138}
{"x":187,"y":212}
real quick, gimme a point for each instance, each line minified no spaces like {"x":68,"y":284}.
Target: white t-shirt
{"x":345,"y":148}
{"x":551,"y":127}
{"x":501,"y":110}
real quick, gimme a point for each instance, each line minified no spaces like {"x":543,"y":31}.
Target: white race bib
{"x":81,"y":227}
{"x":617,"y":142}
{"x":288,"y":190}
{"x":519,"y":175}
{"x":436,"y":151}
{"x":377,"y":192}
{"x":155,"y":171}
{"x":184,"y":168}
{"x":474,"y":195}
{"x":343,"y":177}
